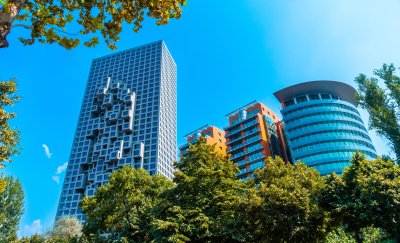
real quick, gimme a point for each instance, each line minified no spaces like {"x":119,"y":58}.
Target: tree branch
{"x":21,"y":25}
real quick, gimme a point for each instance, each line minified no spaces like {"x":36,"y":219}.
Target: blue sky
{"x":227,"y":55}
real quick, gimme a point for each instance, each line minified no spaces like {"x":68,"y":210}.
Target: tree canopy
{"x":72,"y":22}
{"x":368,"y":235}
{"x":65,"y":228}
{"x":11,"y":209}
{"x":367,"y":194}
{"x":120,"y":208}
{"x":282,"y":204}
{"x":383,"y":105}
{"x":201,"y":206}
{"x":9,"y":136}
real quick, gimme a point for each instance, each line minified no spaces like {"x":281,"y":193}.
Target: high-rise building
{"x":213,"y":136}
{"x":252,"y":136}
{"x":128,"y":117}
{"x":323,"y":126}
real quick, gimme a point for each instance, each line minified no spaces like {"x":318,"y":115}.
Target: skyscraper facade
{"x":213,"y":136}
{"x":128,"y":117}
{"x":323,"y":126}
{"x":252,"y":136}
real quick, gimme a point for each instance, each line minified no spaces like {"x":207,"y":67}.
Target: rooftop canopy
{"x":342,"y":90}
{"x":245,"y":107}
{"x":197,"y":131}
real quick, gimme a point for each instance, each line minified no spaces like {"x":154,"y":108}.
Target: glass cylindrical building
{"x":322,"y":125}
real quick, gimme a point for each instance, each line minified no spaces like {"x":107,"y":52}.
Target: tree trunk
{"x":6,"y":19}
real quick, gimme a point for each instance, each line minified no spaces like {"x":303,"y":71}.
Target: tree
{"x":68,"y":22}
{"x":382,"y":105}
{"x":11,"y":209}
{"x":120,"y":208}
{"x":36,"y":238}
{"x":366,"y":194}
{"x":368,"y":235}
{"x":282,"y":205}
{"x":339,"y":235}
{"x":9,"y":137}
{"x":200,"y":207}
{"x":65,"y":228}
{"x":372,"y":234}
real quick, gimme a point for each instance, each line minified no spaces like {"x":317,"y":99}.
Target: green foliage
{"x":120,"y":208}
{"x":36,"y":238}
{"x":339,"y":236}
{"x":368,"y":193}
{"x":71,"y":22}
{"x":201,"y":206}
{"x":9,"y":137}
{"x":65,"y":228}
{"x":282,"y":204}
{"x":11,"y":209}
{"x":372,"y":235}
{"x":367,"y":235}
{"x":382,"y":105}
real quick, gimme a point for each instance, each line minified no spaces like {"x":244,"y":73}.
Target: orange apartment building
{"x":212,"y":134}
{"x":254,"y":133}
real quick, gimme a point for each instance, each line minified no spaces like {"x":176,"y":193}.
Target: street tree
{"x":36,"y":238}
{"x":65,"y":228}
{"x":71,"y":22}
{"x":282,"y":205}
{"x":120,"y":208}
{"x":11,"y":209}
{"x":367,"y":235}
{"x":367,"y":194}
{"x":200,"y":208}
{"x":383,"y":105}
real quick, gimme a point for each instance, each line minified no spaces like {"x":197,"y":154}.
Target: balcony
{"x":127,"y":126}
{"x":246,"y":134}
{"x":253,"y":167}
{"x":238,"y":155}
{"x":234,"y":140}
{"x":248,"y":142}
{"x":94,"y":108}
{"x":107,"y":102}
{"x":112,"y":116}
{"x":90,"y":134}
{"x":245,"y":126}
{"x":101,"y":92}
{"x":115,"y":86}
{"x":241,"y":162}
{"x":127,"y":114}
{"x":234,"y":125}
{"x":129,"y":98}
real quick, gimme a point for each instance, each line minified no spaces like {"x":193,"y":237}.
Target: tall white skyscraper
{"x":128,"y":117}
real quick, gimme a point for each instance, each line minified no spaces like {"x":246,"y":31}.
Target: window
{"x":301,"y":99}
{"x":289,"y":102}
{"x":325,"y":96}
{"x":313,"y":97}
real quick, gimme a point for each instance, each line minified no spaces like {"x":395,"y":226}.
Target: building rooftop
{"x":197,"y":130}
{"x":242,"y":108}
{"x":344,"y":91}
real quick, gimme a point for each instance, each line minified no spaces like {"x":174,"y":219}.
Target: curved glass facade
{"x":324,"y":131}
